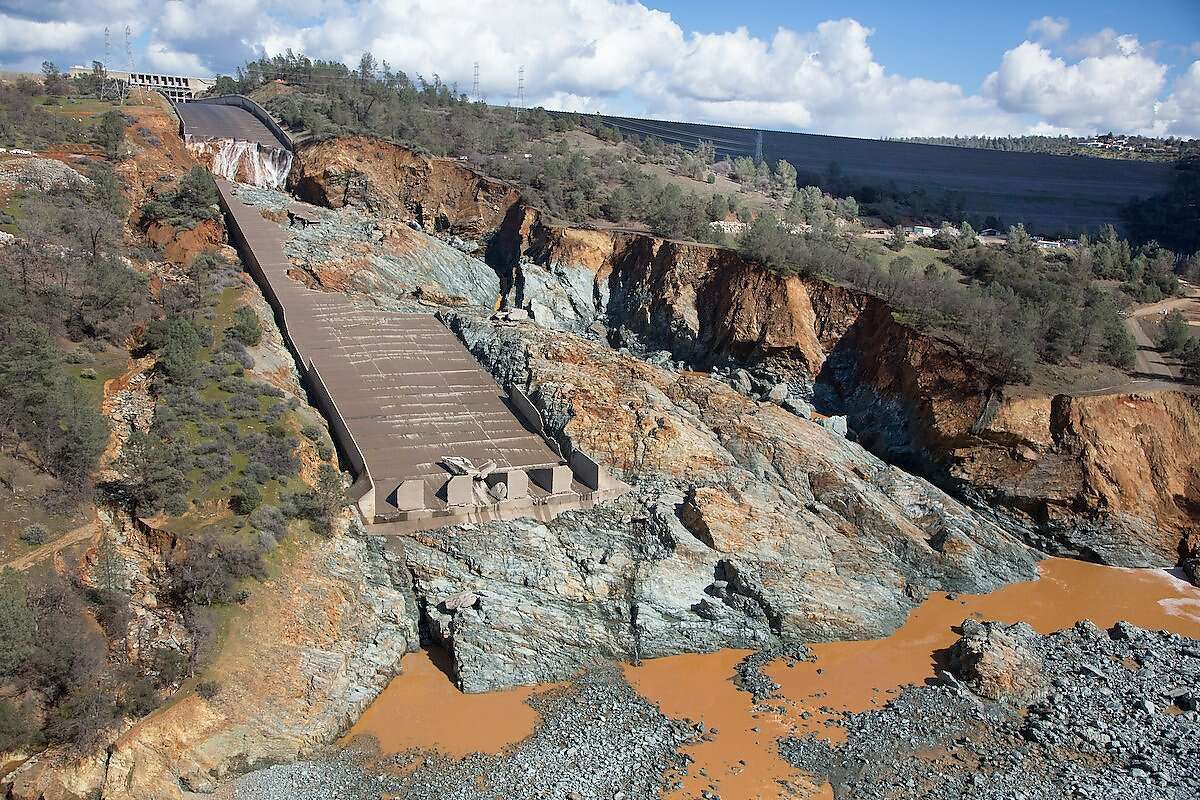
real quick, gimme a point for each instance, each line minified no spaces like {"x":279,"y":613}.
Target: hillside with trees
{"x":90,"y":306}
{"x":1014,"y":306}
{"x":1108,"y":145}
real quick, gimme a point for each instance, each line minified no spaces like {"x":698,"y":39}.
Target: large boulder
{"x":1000,"y":662}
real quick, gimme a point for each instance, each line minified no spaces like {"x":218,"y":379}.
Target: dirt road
{"x":1151,"y":363}
{"x":49,"y":549}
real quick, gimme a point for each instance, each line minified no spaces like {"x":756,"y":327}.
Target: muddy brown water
{"x":422,"y":709}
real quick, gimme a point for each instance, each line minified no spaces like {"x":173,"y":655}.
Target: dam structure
{"x":1047,"y":193}
{"x":430,"y":438}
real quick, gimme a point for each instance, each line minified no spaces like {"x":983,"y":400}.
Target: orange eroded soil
{"x":422,"y":709}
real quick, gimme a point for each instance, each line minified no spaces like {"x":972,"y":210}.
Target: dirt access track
{"x":401,"y":393}
{"x":1152,"y":363}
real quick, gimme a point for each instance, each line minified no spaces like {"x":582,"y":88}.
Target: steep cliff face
{"x":1108,"y":477}
{"x":748,"y":525}
{"x":1111,"y":477}
{"x":382,"y":177}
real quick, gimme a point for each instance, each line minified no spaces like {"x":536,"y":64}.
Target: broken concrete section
{"x":431,"y":438}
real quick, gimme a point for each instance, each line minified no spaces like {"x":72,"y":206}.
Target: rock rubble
{"x":1082,"y":713}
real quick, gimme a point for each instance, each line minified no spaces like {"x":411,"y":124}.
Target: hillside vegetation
{"x":183,"y":435}
{"x":1012,"y":306}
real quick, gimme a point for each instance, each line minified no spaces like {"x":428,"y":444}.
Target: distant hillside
{"x":1138,"y":148}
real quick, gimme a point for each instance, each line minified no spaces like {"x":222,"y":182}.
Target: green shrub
{"x":35,"y":535}
{"x":246,"y":327}
{"x":248,"y":498}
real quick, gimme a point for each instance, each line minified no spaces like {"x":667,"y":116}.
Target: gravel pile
{"x":43,"y":174}
{"x":598,"y":740}
{"x":1119,"y":720}
{"x":749,"y":675}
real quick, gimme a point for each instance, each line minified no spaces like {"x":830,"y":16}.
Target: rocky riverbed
{"x":1083,"y":712}
{"x":598,"y":740}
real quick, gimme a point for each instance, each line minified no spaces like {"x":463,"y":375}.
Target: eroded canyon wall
{"x":1111,"y":477}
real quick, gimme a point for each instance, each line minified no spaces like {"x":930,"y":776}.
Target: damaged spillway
{"x":245,"y":162}
{"x":237,"y":139}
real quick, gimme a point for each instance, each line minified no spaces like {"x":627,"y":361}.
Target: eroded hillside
{"x":1075,"y":474}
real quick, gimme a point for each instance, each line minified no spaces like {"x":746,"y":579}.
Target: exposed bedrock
{"x":1109,"y":478}
{"x":748,"y":524}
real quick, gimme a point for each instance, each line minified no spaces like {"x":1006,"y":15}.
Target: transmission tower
{"x":475,"y":84}
{"x":521,"y":87}
{"x":123,"y":86}
{"x":107,"y":60}
{"x":128,"y":49}
{"x":758,"y":155}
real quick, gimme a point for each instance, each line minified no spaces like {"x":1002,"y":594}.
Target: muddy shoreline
{"x":683,"y":721}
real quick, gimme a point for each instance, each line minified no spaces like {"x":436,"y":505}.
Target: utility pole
{"x":475,"y":84}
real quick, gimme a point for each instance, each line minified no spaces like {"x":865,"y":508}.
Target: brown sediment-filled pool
{"x":422,"y":709}
{"x":855,"y":676}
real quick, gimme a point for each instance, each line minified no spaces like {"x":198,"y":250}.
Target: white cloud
{"x":1116,"y":90}
{"x":620,"y":56}
{"x":1105,"y":43}
{"x":1047,"y":29}
{"x":162,"y":58}
{"x":23,"y":36}
{"x":1179,"y":114}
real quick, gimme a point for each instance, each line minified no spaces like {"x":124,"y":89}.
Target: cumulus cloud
{"x":1047,"y":29}
{"x":1105,"y":43}
{"x":1116,"y":89}
{"x":826,"y":80}
{"x":26,"y":36}
{"x":1179,"y":114}
{"x":623,"y":57}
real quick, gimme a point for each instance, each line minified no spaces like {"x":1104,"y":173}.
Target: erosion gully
{"x":422,"y":709}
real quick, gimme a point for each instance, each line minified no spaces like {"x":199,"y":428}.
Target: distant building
{"x":177,"y":88}
{"x":921,"y":230}
{"x":990,"y":232}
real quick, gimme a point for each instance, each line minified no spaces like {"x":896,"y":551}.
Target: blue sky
{"x":953,"y":41}
{"x":867,"y":68}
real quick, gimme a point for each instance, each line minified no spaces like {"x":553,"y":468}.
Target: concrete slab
{"x":400,"y":389}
